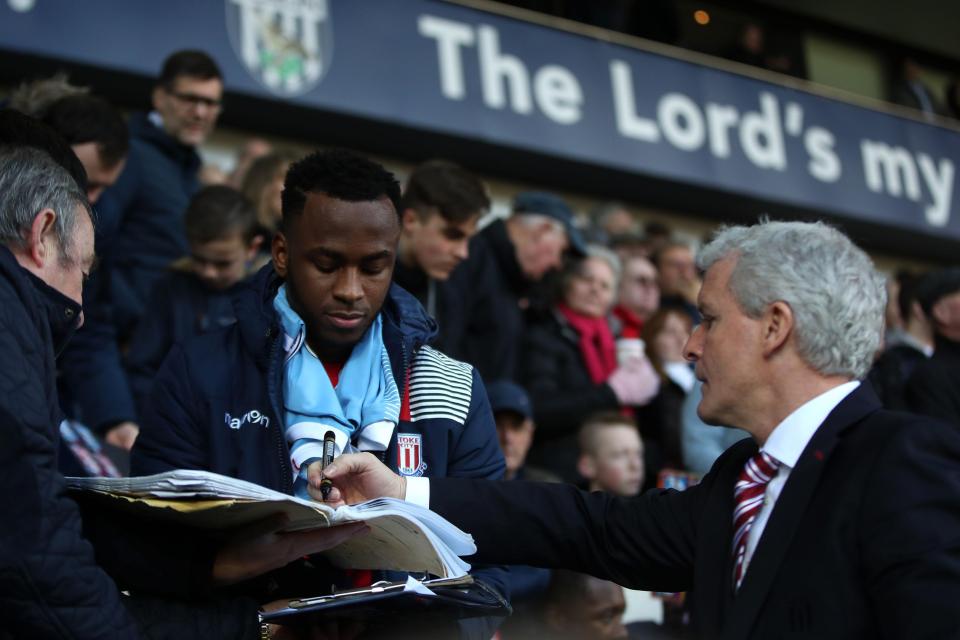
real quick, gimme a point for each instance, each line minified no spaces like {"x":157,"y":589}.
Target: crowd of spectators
{"x":580,"y":344}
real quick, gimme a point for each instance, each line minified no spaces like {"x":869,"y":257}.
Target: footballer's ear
{"x":280,"y":254}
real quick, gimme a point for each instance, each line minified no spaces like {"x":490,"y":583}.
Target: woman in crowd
{"x":570,"y":363}
{"x":664,"y":335}
{"x":263,"y":185}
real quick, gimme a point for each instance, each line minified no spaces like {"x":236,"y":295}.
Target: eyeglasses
{"x":194,"y":100}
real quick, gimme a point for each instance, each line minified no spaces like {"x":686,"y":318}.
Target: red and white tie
{"x":748,"y":496}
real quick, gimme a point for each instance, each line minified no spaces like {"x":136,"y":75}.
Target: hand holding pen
{"x":329,"y":446}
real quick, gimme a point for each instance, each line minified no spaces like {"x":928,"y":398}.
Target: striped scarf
{"x":363,"y":409}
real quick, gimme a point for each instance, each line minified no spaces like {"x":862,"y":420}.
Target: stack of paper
{"x":402,"y":537}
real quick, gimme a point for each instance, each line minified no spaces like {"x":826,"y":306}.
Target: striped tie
{"x":748,"y":495}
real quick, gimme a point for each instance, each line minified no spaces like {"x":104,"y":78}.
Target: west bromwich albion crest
{"x":287,"y":45}
{"x":410,"y":454}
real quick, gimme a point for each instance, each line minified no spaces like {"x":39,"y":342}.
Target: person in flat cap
{"x":508,"y":259}
{"x":934,"y":387}
{"x":513,"y":413}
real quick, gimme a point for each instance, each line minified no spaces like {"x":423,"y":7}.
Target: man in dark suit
{"x":837,"y":519}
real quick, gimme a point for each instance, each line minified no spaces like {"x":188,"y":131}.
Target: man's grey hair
{"x":30,"y":181}
{"x":612,"y":259}
{"x":836,"y":295}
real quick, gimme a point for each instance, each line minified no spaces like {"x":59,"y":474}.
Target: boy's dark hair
{"x":657,"y":257}
{"x":907,"y":293}
{"x":189,"y":62}
{"x":598,"y":422}
{"x":19,"y":130}
{"x":85,"y":118}
{"x":340,"y":174}
{"x":217,"y":212}
{"x":935,"y":285}
{"x":455,"y":193}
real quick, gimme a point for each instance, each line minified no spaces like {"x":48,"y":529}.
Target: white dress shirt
{"x":785,"y":443}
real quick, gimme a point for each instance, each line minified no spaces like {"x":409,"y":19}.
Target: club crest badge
{"x":287,"y":45}
{"x":410,"y":454}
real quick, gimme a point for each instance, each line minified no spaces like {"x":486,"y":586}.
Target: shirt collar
{"x":790,"y":437}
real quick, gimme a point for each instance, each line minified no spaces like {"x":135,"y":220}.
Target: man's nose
{"x":201,"y":109}
{"x":693,"y":346}
{"x":348,"y":288}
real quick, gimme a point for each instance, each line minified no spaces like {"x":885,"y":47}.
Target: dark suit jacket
{"x":864,"y":541}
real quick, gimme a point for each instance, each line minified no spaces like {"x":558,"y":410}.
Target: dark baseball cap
{"x":552,"y":206}
{"x":508,"y":396}
{"x":936,"y":285}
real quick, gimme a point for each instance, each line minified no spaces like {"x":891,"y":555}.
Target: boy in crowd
{"x":440,"y":208}
{"x":195,"y":297}
{"x":611,"y":454}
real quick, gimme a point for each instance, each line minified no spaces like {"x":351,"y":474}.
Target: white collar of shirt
{"x":155,"y":119}
{"x":790,"y":437}
{"x":786,"y":443}
{"x":910,"y":341}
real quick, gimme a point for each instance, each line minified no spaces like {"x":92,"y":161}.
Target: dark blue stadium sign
{"x":446,"y":68}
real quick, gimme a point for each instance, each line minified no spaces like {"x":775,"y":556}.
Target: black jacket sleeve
{"x":645,"y":542}
{"x":170,"y":437}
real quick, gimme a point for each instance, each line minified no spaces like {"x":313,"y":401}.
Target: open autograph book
{"x":402,"y":537}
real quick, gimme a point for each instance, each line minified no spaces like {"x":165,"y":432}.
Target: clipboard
{"x":450,"y":598}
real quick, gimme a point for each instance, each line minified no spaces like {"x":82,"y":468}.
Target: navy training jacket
{"x":217,"y":403}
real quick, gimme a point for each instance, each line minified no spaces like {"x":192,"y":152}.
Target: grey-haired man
{"x":837,"y":519}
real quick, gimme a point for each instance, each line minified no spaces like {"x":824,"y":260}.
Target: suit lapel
{"x":790,"y":510}
{"x":713,"y":595}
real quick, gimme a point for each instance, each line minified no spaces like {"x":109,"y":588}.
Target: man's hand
{"x":261,"y":547}
{"x":123,"y":435}
{"x":357,"y":477}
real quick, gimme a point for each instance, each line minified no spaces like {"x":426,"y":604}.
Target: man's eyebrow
{"x":380,"y":255}
{"x":322,"y":252}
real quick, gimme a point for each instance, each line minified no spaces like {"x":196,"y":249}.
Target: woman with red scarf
{"x":570,"y":366}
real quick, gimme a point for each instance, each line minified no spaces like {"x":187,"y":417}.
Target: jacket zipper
{"x":286,"y":470}
{"x":401,"y":388}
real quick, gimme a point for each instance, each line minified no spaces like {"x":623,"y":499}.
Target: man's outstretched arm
{"x":644,"y":542}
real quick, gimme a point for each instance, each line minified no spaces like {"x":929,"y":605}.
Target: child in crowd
{"x":195,"y":297}
{"x":611,"y":454}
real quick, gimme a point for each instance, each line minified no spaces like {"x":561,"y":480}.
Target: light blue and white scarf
{"x":363,"y":409}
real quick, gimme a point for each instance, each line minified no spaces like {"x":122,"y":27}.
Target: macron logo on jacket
{"x":250,"y":417}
